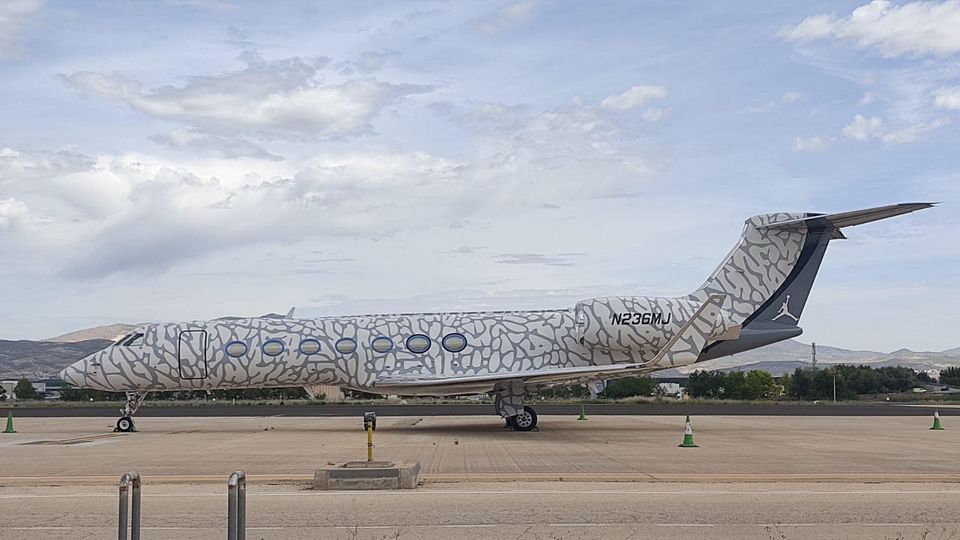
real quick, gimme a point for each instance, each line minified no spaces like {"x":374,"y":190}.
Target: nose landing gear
{"x":125,"y":423}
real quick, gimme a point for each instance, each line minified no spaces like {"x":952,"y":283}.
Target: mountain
{"x":110,"y":332}
{"x":786,"y":356}
{"x":40,"y":359}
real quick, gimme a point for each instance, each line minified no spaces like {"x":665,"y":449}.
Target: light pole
{"x":834,"y":384}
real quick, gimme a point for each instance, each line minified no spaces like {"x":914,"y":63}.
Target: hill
{"x":41,"y":359}
{"x":110,"y":332}
{"x":785,"y":356}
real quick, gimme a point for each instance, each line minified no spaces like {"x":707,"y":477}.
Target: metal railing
{"x":237,"y":506}
{"x":126,"y":481}
{"x":129,"y":516}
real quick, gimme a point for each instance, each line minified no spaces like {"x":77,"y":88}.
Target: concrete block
{"x":353,"y":475}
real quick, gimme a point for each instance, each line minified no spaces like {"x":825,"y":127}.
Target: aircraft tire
{"x":510,"y":423}
{"x":525,"y":421}
{"x":125,"y":424}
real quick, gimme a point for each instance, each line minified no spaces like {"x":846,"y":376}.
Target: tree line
{"x":809,"y":383}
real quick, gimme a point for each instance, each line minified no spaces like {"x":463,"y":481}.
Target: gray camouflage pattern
{"x":193,"y":355}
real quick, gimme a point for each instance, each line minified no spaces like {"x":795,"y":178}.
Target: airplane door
{"x":192,"y":353}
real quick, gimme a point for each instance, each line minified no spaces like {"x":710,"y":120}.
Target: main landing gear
{"x":125,"y":423}
{"x":508,"y":400}
{"x":525,"y":420}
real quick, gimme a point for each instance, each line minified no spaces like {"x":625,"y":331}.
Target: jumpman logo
{"x":785,"y":311}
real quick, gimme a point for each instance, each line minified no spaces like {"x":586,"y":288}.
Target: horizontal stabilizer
{"x":848,"y":219}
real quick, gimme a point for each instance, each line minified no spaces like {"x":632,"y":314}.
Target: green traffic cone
{"x":9,"y":423}
{"x":936,"y":421}
{"x":583,"y":414}
{"x":688,"y":436}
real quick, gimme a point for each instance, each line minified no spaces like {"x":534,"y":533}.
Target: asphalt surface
{"x":54,"y":451}
{"x":545,"y":511}
{"x":476,"y":409}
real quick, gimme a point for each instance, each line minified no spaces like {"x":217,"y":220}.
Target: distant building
{"x":670,"y":389}
{"x":39,"y":386}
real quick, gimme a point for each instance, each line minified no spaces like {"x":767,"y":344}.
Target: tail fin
{"x":769,"y":273}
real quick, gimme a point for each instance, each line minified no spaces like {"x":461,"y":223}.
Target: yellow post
{"x":369,"y":442}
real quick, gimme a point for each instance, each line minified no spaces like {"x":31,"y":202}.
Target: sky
{"x":181,"y":160}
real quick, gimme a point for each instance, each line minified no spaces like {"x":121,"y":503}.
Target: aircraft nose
{"x":74,"y":374}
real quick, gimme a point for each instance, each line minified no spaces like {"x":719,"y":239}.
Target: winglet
{"x":289,"y":314}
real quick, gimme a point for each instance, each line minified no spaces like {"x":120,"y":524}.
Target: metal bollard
{"x":237,"y":506}
{"x":369,"y":424}
{"x":129,"y":479}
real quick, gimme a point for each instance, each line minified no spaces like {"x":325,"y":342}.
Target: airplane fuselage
{"x":363,"y":352}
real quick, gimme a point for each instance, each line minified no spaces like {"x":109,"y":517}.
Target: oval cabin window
{"x":418,"y":343}
{"x":309,"y":346}
{"x":236,"y":349}
{"x":382,"y":344}
{"x":272,"y":347}
{"x":346,"y":346}
{"x":454,"y":342}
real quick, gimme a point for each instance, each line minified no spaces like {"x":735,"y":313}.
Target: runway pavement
{"x":474,"y":448}
{"x":764,"y":477}
{"x":512,"y":510}
{"x":155,"y":409}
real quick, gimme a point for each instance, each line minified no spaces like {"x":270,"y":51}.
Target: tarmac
{"x":610,"y":476}
{"x":392,"y":408}
{"x":558,"y":510}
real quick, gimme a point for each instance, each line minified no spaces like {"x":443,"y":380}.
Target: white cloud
{"x":655,"y":114}
{"x":14,"y":15}
{"x":206,"y":143}
{"x":635,"y":97}
{"x":947,"y":98}
{"x":508,"y":17}
{"x":915,"y":28}
{"x":13,"y":213}
{"x":16,"y":165}
{"x":68,"y":184}
{"x":791,"y":97}
{"x":913,"y":132}
{"x":863,"y":129}
{"x":812,"y":144}
{"x":143,"y":214}
{"x":284,"y":99}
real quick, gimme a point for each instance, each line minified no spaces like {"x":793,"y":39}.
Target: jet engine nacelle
{"x":641,"y":324}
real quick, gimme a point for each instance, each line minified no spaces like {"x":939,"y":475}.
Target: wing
{"x":531,"y":380}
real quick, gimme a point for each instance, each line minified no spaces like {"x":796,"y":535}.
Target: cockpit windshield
{"x":130,"y":340}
